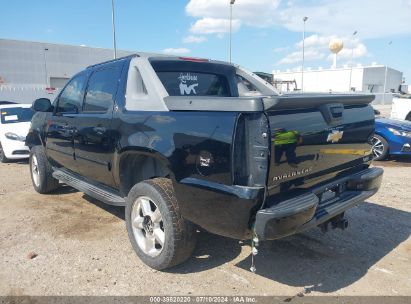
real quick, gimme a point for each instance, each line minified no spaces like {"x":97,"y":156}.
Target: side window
{"x":101,"y":90}
{"x":246,"y":88}
{"x":71,"y":98}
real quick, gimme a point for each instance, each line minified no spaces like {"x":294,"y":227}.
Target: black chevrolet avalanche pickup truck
{"x":185,"y":143}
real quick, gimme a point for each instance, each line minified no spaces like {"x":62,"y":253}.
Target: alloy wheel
{"x":148,"y":226}
{"x":377,"y":147}
{"x":35,"y":173}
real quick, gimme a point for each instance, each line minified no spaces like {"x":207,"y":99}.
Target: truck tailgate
{"x":316,"y":136}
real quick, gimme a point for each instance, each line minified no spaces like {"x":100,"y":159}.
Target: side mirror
{"x":42,"y":105}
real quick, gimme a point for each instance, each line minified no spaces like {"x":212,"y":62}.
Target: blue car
{"x":392,"y":137}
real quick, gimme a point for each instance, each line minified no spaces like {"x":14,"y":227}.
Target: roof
{"x":160,"y":56}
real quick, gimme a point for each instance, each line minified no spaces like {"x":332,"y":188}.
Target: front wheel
{"x":379,"y":147}
{"x":41,"y":172}
{"x":157,"y":232}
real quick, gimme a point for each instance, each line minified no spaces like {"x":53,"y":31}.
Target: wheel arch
{"x":379,"y":133}
{"x":33,"y":138}
{"x":136,"y":165}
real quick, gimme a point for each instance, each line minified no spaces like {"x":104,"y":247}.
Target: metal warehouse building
{"x":29,"y":70}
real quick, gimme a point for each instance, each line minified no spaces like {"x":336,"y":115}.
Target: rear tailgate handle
{"x":332,"y":113}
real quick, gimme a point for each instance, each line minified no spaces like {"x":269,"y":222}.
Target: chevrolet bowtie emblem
{"x":335,"y":136}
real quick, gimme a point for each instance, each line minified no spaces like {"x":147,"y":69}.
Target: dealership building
{"x":29,"y":70}
{"x":367,"y":79}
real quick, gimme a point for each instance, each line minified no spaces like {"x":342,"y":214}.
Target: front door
{"x":61,"y":125}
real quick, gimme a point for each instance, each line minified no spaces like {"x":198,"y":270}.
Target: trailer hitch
{"x":336,"y":222}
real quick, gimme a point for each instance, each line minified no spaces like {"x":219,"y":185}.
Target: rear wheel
{"x":157,"y":232}
{"x":3,"y":158}
{"x":379,"y":147}
{"x":41,"y":172}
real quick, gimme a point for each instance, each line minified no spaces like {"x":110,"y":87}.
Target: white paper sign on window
{"x":11,"y":117}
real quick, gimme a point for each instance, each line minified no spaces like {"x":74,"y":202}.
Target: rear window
{"x":194,"y":84}
{"x":246,"y":88}
{"x":15,"y":115}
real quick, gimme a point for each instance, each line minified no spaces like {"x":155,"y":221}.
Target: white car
{"x":401,"y":108}
{"x":14,"y":125}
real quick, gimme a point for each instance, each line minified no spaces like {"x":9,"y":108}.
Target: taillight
{"x":194,"y":59}
{"x":251,"y":150}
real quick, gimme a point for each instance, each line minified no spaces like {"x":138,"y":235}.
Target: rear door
{"x":94,"y":141}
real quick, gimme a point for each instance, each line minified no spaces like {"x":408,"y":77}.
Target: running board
{"x":100,"y":192}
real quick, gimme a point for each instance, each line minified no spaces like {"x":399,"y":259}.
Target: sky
{"x":267,"y":34}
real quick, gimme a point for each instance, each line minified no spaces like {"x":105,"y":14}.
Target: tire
{"x":408,"y":117}
{"x":3,"y":158}
{"x":41,"y":172}
{"x":160,"y":236}
{"x":380,"y":147}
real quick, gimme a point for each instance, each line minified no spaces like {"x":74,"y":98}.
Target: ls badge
{"x":335,"y":136}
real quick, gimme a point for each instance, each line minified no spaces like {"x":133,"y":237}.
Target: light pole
{"x":114,"y":29}
{"x":45,"y":67}
{"x":385,"y":79}
{"x":302,"y":66}
{"x":352,"y":58}
{"x":231,"y":24}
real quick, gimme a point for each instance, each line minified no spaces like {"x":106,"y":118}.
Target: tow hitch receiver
{"x":336,"y":222}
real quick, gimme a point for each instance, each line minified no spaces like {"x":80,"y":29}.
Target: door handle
{"x":332,"y":113}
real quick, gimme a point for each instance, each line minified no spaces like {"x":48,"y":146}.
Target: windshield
{"x":15,"y":115}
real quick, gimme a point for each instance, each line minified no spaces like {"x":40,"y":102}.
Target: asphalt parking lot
{"x":67,"y":243}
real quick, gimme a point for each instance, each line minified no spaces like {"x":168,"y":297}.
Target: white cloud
{"x":214,"y":26}
{"x":321,"y":41}
{"x":258,"y":13}
{"x":372,"y":19}
{"x":316,"y":47}
{"x":358,"y":51}
{"x":310,"y":54}
{"x":176,"y":51}
{"x":316,"y":41}
{"x":194,"y":39}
